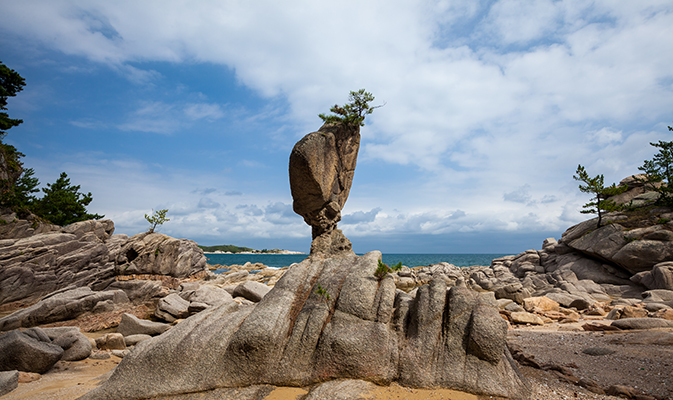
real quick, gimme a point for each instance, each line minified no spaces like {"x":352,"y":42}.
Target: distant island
{"x":231,"y":249}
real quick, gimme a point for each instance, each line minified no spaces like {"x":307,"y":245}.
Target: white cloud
{"x":200,"y":111}
{"x":490,"y":107}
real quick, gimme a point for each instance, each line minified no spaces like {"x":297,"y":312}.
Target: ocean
{"x":410,"y":260}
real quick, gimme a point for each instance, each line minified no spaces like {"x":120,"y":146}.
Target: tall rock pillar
{"x":322,"y":165}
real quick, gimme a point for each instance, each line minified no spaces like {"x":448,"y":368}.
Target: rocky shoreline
{"x":570,"y":320}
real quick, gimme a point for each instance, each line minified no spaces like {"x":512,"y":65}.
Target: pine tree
{"x":63,"y":204}
{"x":599,"y":204}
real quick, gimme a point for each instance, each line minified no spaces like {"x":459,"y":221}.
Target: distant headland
{"x":231,"y":249}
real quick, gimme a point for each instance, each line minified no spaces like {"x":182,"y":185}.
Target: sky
{"x":194,"y":107}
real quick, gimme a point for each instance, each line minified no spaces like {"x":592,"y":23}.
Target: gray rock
{"x":120,"y":353}
{"x":172,"y":308}
{"x":513,"y":307}
{"x":76,"y":346}
{"x":37,"y":334}
{"x":657,"y":296}
{"x":343,"y":389}
{"x":296,"y":337}
{"x":209,"y":295}
{"x":60,"y":306}
{"x":652,"y":307}
{"x":514,"y":291}
{"x":37,"y":265}
{"x":322,"y":166}
{"x":55,"y":332}
{"x":133,"y":340}
{"x":251,"y":290}
{"x":132,"y":325}
{"x":642,"y":255}
{"x":19,"y":351}
{"x":9,"y":380}
{"x":156,"y":253}
{"x":581,"y":304}
{"x":662,"y":276}
{"x":103,"y":306}
{"x":642,"y":323}
{"x":602,"y":243}
{"x":99,"y":356}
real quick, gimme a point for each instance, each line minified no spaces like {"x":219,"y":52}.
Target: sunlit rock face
{"x":322,"y":165}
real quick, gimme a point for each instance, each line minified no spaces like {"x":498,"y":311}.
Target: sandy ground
{"x":639,"y":359}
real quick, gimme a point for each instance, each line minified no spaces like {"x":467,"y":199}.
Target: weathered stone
{"x":60,"y":306}
{"x":133,"y":340}
{"x":296,"y":337}
{"x":540,"y":303}
{"x":514,"y":291}
{"x":642,"y":323}
{"x":111,"y":341}
{"x":526,"y":318}
{"x":642,"y":255}
{"x":253,"y":291}
{"x":9,"y":380}
{"x":621,"y":391}
{"x":664,"y":314}
{"x":172,"y":307}
{"x":633,"y":312}
{"x":19,"y":351}
{"x":120,"y":353}
{"x":209,"y":295}
{"x":156,"y":253}
{"x":76,"y":346}
{"x":322,"y":165}
{"x":662,"y":276}
{"x":580,"y":304}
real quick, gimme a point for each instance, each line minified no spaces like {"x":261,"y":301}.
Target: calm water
{"x":410,"y":260}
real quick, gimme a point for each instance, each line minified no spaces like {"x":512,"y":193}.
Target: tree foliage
{"x":63,"y":204}
{"x":659,"y":172}
{"x":156,"y":219}
{"x":600,"y":203}
{"x":19,"y":197}
{"x":11,"y":83}
{"x":354,"y":112}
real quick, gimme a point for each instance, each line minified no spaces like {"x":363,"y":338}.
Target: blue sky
{"x":195,"y":106}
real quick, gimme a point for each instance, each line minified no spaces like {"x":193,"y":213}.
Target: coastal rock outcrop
{"x":322,"y":166}
{"x":87,"y":254}
{"x":158,"y":254}
{"x":359,"y":328}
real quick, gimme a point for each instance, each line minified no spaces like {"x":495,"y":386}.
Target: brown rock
{"x":597,"y":327}
{"x":665,"y":314}
{"x":591,"y":385}
{"x":633,"y":312}
{"x":621,"y":391}
{"x":541,"y":303}
{"x":111,"y":341}
{"x":524,"y":317}
{"x":25,"y":377}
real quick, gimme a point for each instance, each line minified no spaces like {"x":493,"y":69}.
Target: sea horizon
{"x":408,"y":259}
